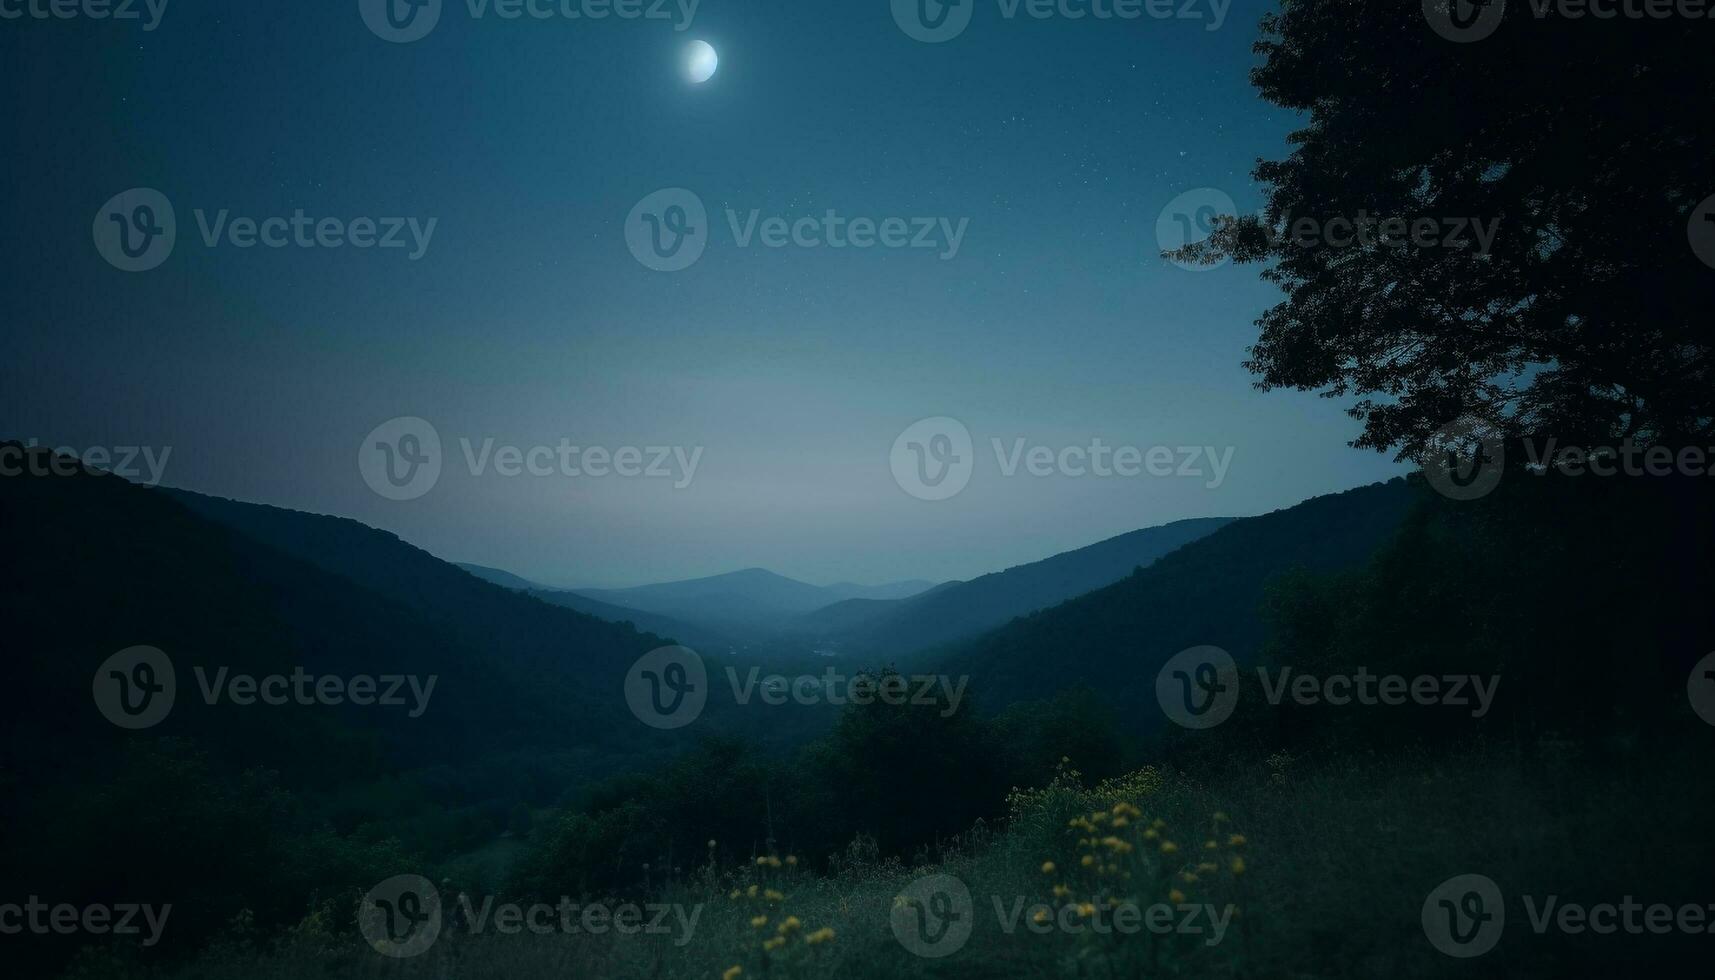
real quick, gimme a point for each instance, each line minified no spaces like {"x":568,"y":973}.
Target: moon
{"x":700,"y":62}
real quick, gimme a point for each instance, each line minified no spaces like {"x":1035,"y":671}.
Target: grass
{"x":1338,"y":860}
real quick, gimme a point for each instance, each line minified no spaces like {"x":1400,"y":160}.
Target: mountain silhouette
{"x":750,"y":602}
{"x":1115,"y":639}
{"x":962,"y":609}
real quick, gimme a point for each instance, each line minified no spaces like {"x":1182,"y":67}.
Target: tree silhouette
{"x":1588,"y":142}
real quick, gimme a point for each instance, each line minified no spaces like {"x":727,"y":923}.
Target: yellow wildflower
{"x":821,"y":935}
{"x":1236,"y":840}
{"x":1238,"y":865}
{"x":1176,"y":896}
{"x":773,"y":944}
{"x":759,"y":921}
{"x":732,"y":973}
{"x":1048,"y":867}
{"x":791,"y":925}
{"x":1168,"y":847}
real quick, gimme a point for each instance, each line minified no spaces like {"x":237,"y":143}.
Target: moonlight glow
{"x":700,"y":62}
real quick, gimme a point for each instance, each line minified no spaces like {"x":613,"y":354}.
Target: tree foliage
{"x":1587,"y":140}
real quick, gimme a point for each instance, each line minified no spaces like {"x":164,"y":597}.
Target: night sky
{"x":527,"y":319}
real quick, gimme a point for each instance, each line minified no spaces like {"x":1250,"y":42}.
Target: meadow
{"x":1325,"y":868}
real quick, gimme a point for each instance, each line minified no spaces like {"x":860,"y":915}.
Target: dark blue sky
{"x":527,"y":320}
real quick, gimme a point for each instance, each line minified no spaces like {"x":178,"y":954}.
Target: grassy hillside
{"x":1337,"y":862}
